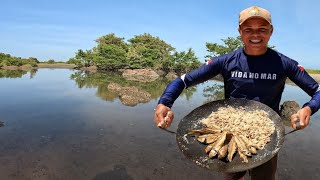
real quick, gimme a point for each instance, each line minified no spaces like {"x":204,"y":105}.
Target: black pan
{"x":194,"y":150}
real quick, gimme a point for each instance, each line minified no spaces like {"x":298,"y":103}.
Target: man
{"x":254,"y":72}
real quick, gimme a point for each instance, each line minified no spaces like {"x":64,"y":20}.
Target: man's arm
{"x":163,"y":115}
{"x":300,"y":77}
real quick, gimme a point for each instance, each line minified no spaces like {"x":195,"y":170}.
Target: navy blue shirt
{"x":260,"y":78}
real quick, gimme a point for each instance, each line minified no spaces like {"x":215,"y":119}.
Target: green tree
{"x":33,"y":59}
{"x":146,"y":50}
{"x":185,"y":61}
{"x":7,"y":59}
{"x":111,"y":52}
{"x":74,"y":61}
{"x":51,"y":61}
{"x":14,"y":61}
{"x":110,"y":57}
{"x":141,"y":56}
{"x":4,"y":58}
{"x":230,"y":44}
{"x":112,"y":39}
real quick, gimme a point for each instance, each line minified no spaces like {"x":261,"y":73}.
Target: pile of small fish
{"x":231,"y":130}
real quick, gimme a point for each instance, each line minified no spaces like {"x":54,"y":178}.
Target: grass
{"x":313,"y":71}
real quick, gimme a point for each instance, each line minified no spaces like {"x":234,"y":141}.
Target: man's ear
{"x":271,"y":29}
{"x":239,"y":30}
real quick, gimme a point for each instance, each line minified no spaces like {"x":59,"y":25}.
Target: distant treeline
{"x":146,"y":51}
{"x":8,"y":60}
{"x":141,"y":51}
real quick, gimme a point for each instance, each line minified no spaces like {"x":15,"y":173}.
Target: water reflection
{"x":112,"y":86}
{"x":33,"y":72}
{"x":214,"y":92}
{"x":12,"y":73}
{"x":63,"y":124}
{"x":16,"y":73}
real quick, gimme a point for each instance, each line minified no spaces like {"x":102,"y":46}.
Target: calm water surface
{"x":65,"y":124}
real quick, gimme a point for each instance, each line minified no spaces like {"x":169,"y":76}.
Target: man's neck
{"x":255,"y":53}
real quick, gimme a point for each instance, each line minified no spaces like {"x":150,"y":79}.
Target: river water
{"x":67,"y":124}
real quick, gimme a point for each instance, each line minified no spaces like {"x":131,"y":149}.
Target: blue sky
{"x":57,"y":29}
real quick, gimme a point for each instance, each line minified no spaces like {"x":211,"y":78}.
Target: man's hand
{"x":303,"y":115}
{"x":163,"y":116}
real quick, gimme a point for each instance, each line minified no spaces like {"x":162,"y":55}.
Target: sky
{"x":57,"y":29}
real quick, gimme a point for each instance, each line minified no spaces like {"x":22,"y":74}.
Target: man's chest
{"x":254,"y":74}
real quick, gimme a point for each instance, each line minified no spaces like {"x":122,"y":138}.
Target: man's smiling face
{"x":255,"y":34}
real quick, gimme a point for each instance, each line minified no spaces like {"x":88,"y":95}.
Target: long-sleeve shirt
{"x":260,"y":78}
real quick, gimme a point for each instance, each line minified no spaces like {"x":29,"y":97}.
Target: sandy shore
{"x":72,"y":66}
{"x":316,"y":77}
{"x":60,"y":66}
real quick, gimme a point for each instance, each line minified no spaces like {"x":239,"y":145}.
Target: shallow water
{"x":65,"y":124}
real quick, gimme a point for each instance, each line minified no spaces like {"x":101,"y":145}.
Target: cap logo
{"x":254,"y":12}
